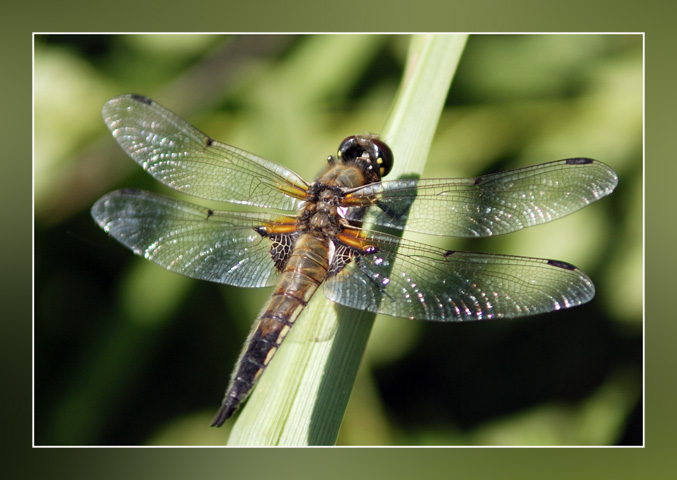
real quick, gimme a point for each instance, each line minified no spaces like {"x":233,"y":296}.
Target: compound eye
{"x":350,"y":149}
{"x":356,"y":146}
{"x":384,"y":156}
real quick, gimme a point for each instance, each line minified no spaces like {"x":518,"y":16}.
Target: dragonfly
{"x":342,"y":231}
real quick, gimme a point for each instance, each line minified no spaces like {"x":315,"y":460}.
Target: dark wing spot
{"x":448,"y":253}
{"x":210,"y":212}
{"x":579,"y":161}
{"x":559,"y":264}
{"x":141,"y":98}
{"x":209,"y":141}
{"x":478,"y":180}
{"x":343,"y":255}
{"x":281,"y":248}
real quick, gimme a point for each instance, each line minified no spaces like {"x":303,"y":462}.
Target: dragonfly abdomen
{"x":303,"y":273}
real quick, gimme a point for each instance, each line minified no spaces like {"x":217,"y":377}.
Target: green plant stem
{"x":302,"y":396}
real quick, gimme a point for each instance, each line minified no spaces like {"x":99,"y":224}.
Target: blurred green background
{"x":127,"y":353}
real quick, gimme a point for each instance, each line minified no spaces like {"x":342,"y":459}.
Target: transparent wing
{"x":488,"y":205}
{"x":428,"y":283}
{"x":188,"y":239}
{"x":183,"y":158}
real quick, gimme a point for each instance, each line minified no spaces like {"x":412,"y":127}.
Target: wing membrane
{"x":428,"y":283}
{"x":188,"y":239}
{"x":492,"y":204}
{"x":183,"y":158}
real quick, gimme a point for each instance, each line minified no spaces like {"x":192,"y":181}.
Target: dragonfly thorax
{"x":321,"y":214}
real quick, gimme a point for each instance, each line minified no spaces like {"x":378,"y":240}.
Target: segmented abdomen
{"x":302,"y":275}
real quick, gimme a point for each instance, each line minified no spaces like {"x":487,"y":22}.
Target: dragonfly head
{"x":369,"y":149}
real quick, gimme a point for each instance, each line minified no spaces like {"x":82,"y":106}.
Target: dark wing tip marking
{"x":579,"y":161}
{"x":560,"y":264}
{"x":141,"y":98}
